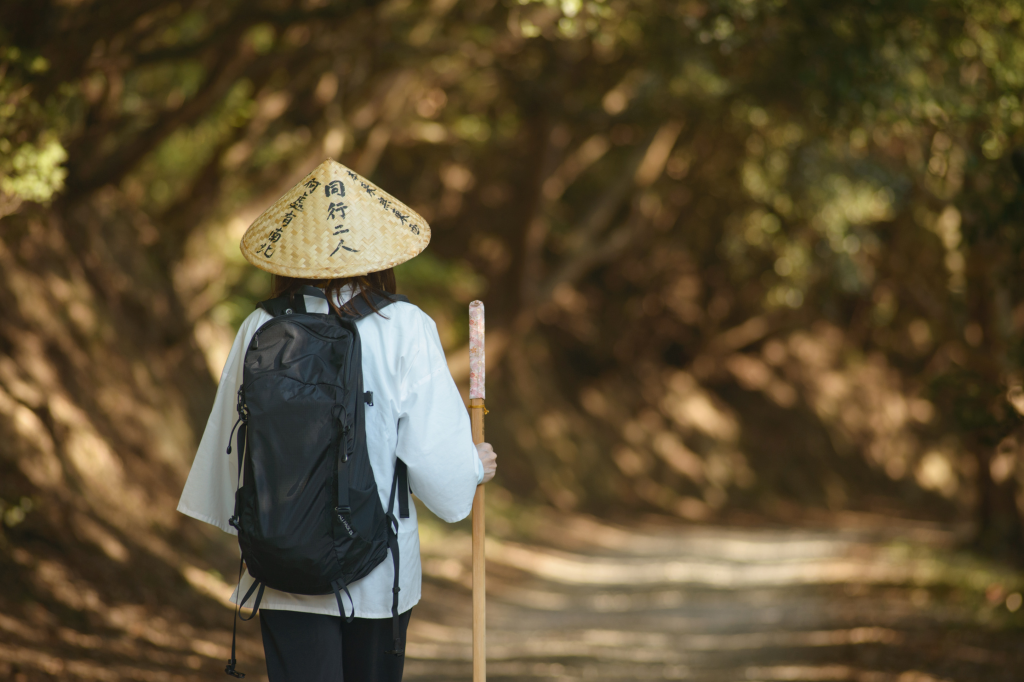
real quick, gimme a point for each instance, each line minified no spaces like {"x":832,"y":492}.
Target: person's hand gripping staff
{"x":489,"y":459}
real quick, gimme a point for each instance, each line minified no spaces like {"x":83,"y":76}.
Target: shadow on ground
{"x":873,"y":600}
{"x":860,"y":598}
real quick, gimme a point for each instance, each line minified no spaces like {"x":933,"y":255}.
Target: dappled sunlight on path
{"x":883,"y":602}
{"x":865,"y":599}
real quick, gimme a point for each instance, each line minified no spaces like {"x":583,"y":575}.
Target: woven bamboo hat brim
{"x":335,"y":223}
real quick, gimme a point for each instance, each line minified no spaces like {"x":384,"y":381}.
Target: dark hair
{"x":382,"y":282}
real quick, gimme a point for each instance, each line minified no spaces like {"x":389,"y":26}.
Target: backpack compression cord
{"x":307,"y":512}
{"x":241,"y":425}
{"x":400,"y":482}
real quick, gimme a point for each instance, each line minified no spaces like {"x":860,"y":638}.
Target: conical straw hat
{"x":335,"y":223}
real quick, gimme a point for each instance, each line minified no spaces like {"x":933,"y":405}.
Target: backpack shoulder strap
{"x":293,"y":301}
{"x":380,"y":301}
{"x":275,"y":306}
{"x":278,"y":306}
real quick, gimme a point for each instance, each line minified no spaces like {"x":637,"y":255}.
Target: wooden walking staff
{"x":477,"y":412}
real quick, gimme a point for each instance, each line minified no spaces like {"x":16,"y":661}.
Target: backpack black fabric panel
{"x":302,"y":384}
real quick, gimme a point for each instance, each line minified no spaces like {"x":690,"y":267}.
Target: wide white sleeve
{"x":209,"y":493}
{"x":434,"y":436}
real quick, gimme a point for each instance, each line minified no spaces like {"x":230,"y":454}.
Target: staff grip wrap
{"x":477,"y":361}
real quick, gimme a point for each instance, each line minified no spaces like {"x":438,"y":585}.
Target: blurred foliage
{"x":736,"y":254}
{"x":31,"y":155}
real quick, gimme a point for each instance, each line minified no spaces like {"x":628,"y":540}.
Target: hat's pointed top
{"x":334,"y":223}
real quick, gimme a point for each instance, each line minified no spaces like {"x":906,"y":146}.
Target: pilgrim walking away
{"x":335,"y":402}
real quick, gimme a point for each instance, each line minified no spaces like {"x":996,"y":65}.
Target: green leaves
{"x":33,"y":172}
{"x":31,"y":153}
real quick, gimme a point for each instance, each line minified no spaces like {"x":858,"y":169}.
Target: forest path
{"x":859,"y":599}
{"x":887,"y":602}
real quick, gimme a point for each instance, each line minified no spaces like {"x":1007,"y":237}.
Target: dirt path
{"x":888,"y":602}
{"x":876,"y":605}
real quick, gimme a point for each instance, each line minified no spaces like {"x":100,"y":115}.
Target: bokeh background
{"x":745,"y":263}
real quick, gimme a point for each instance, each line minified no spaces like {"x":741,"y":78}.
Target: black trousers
{"x":313,"y":647}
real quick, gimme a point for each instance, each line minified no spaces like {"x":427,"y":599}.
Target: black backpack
{"x":307,"y":512}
